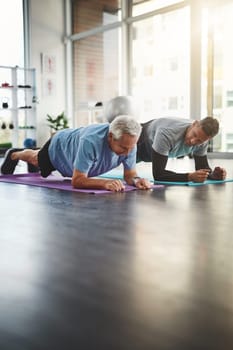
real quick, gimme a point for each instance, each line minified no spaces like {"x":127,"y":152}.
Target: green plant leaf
{"x":57,"y":123}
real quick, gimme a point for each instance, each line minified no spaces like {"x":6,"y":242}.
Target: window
{"x":173,"y":103}
{"x":172,"y":56}
{"x":11,"y":33}
{"x":221,"y":26}
{"x":96,"y":72}
{"x":142,"y":6}
{"x":229,"y":99}
{"x":161,"y":68}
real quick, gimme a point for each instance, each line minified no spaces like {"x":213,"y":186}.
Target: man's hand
{"x":114,"y":185}
{"x":218,"y":174}
{"x":199,"y":175}
{"x":142,"y":184}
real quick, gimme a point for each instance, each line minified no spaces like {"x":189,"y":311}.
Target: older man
{"x":85,"y":153}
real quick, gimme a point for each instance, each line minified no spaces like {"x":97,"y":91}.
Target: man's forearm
{"x":201,"y":162}
{"x":160,"y":173}
{"x":87,"y":182}
{"x":167,"y":175}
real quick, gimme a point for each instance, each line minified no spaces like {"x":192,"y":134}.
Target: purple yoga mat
{"x":56,"y":182}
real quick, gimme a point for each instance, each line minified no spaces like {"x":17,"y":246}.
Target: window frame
{"x":126,"y":45}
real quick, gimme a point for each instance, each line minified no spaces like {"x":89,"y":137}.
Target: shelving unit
{"x":17,"y":106}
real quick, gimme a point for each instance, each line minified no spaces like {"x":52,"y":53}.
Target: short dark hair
{"x":210,"y":126}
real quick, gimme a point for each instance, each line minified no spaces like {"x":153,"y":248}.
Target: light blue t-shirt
{"x":87,"y":150}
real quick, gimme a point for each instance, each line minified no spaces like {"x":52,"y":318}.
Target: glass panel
{"x":96,"y":74}
{"x":89,"y":14}
{"x":204,"y":62}
{"x":142,"y":6}
{"x":11,"y":33}
{"x":223,"y":76}
{"x":221,"y":23}
{"x":161,"y":76}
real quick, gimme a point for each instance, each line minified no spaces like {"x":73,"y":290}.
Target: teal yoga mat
{"x":190,"y":183}
{"x":118,"y":175}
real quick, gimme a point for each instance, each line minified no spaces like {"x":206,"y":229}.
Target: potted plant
{"x":57,"y":123}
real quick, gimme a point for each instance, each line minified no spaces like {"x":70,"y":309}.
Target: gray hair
{"x":124,"y":124}
{"x":210,"y":126}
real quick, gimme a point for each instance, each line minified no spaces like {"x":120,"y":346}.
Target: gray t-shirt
{"x":166,"y":137}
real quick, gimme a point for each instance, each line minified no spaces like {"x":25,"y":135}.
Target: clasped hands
{"x":203,"y":174}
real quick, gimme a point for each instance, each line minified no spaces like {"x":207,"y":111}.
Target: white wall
{"x":46,"y":39}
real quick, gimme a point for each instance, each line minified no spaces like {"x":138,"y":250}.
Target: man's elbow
{"x":158,"y":176}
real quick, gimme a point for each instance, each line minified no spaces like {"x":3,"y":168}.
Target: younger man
{"x":165,"y":138}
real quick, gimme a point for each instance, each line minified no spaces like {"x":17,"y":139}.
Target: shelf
{"x":18,"y":93}
{"x":16,"y":88}
{"x":17,"y":109}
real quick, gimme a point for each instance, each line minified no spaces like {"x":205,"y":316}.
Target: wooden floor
{"x":148,"y":270}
